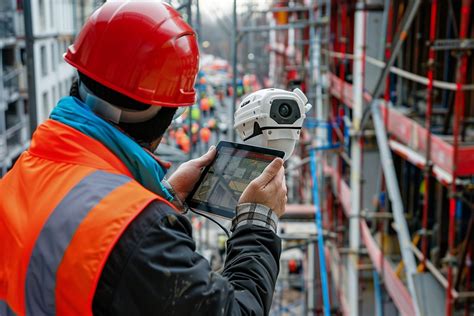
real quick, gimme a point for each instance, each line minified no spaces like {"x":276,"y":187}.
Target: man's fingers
{"x":277,"y":180}
{"x":270,"y":172}
{"x":206,"y":159}
{"x":277,"y":184}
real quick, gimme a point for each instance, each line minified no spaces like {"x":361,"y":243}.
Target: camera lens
{"x":284,"y":110}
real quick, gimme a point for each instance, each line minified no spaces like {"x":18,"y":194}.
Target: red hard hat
{"x":142,"y":49}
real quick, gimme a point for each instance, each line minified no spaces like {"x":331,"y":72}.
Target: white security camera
{"x":272,"y":118}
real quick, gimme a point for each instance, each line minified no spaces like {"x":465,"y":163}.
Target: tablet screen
{"x":226,"y":179}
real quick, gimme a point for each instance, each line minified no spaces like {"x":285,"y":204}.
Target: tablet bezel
{"x":211,"y":209}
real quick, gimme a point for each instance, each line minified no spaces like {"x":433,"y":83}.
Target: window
{"x":45,"y":104}
{"x":53,"y":56}
{"x":60,"y":51}
{"x":42,"y":14}
{"x":51,"y":12}
{"x":64,"y":46}
{"x":44,"y":61}
{"x":54,"y":96}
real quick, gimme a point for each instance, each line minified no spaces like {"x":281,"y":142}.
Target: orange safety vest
{"x":205,"y":134}
{"x":63,"y":206}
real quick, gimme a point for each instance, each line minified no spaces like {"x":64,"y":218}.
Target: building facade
{"x":13,"y":116}
{"x":54,"y":25}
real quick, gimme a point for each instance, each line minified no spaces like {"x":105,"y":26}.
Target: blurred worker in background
{"x":205,"y":137}
{"x":88,"y":224}
{"x":182,"y":139}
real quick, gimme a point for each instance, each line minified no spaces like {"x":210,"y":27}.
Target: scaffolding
{"x":442,"y":157}
{"x":390,"y":87}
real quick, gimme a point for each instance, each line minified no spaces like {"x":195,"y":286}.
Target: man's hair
{"x":145,"y":132}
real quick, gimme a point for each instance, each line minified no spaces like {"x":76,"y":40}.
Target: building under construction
{"x":391,"y":142}
{"x":380,"y":214}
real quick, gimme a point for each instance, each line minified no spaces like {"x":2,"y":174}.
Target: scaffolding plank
{"x":414,"y":136}
{"x":411,"y":133}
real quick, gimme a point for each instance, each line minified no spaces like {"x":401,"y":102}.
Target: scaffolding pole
{"x":396,"y":199}
{"x":459,"y":106}
{"x":356,"y":159}
{"x":319,"y":228}
{"x":30,"y":66}
{"x":234,"y":69}
{"x":429,"y":108}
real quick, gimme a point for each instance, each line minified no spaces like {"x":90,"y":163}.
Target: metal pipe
{"x":234,"y":69}
{"x":386,"y":20}
{"x":396,"y":199}
{"x":342,"y":76}
{"x":465,"y":249}
{"x":30,"y":65}
{"x":266,"y":28}
{"x":378,"y":293}
{"x":190,"y":116}
{"x":387,"y":43}
{"x":287,"y":9}
{"x":319,"y":227}
{"x":356,"y":158}
{"x":459,"y":102}
{"x":429,"y":109}
{"x":383,"y":206}
{"x":317,"y":79}
{"x":403,"y":73}
{"x":312,"y":56}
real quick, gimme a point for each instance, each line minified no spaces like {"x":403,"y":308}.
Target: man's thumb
{"x":206,"y":159}
{"x":269,"y":173}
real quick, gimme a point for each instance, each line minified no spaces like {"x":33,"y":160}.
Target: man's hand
{"x":186,"y":176}
{"x":269,"y":188}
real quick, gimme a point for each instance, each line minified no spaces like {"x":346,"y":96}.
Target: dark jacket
{"x":154,"y":270}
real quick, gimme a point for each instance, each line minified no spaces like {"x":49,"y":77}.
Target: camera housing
{"x":272,"y":118}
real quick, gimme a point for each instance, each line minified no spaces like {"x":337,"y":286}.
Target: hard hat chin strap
{"x":112,"y":112}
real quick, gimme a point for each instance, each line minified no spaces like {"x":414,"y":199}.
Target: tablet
{"x":223,"y":181}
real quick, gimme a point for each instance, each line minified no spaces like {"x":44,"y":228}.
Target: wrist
{"x":176,"y":201}
{"x":255,"y":214}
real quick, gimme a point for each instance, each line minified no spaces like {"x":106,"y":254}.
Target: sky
{"x":224,"y":7}
{"x":216,"y":7}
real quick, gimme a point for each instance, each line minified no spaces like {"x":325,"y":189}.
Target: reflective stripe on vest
{"x":5,"y":310}
{"x":56,"y":234}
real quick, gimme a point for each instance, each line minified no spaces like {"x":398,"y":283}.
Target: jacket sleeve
{"x":154,"y":269}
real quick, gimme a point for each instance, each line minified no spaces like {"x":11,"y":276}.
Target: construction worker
{"x":89,"y":225}
{"x":205,"y":135}
{"x":182,"y":140}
